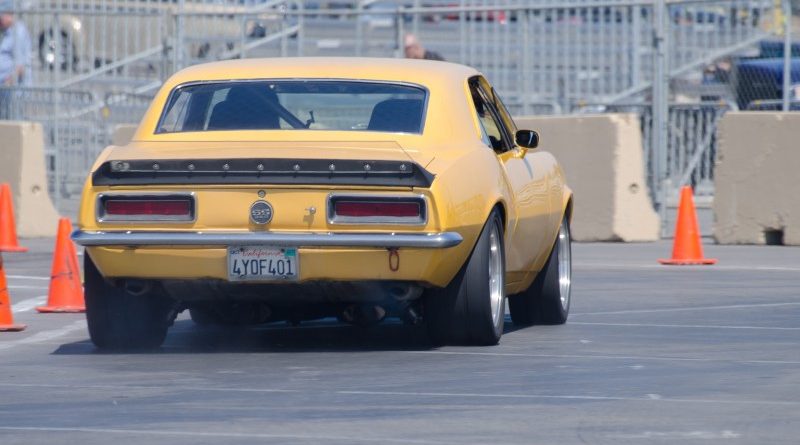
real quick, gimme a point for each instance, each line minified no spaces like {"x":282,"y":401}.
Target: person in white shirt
{"x":15,"y":55}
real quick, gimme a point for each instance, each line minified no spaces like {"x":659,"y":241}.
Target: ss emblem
{"x":261,"y":212}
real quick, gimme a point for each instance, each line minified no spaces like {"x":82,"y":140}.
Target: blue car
{"x":762,"y":80}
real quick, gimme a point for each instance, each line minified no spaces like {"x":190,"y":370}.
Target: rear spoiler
{"x":262,"y":172}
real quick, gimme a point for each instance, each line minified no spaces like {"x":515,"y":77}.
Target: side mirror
{"x":527,"y":138}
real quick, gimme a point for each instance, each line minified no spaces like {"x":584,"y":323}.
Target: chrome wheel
{"x":496,"y":278}
{"x":564,"y":264}
{"x":471,"y":309}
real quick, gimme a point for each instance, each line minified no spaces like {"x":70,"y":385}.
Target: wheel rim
{"x":496,"y":276}
{"x":49,"y":53}
{"x":564,"y":264}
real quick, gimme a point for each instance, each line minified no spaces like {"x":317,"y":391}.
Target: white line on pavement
{"x":30,"y":303}
{"x":646,"y":398}
{"x":153,"y":387}
{"x":581,"y":265}
{"x":685,"y":326}
{"x":689,"y":308}
{"x":679,"y":435}
{"x":45,"y":335}
{"x":642,"y":398}
{"x":24,"y":286}
{"x":28,"y":277}
{"x":230,"y":435}
{"x":611,"y":357}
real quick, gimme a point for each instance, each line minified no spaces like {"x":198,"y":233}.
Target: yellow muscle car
{"x":302,"y":188}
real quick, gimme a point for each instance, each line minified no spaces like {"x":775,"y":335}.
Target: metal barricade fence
{"x":72,"y":135}
{"x":108,"y":43}
{"x":138,"y":41}
{"x":204,"y":32}
{"x":598,"y":51}
{"x":96,"y":64}
{"x":542,"y":56}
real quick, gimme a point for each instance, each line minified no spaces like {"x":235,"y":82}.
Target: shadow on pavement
{"x":317,"y":336}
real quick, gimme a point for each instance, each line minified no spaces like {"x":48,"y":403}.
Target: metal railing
{"x":97,"y":62}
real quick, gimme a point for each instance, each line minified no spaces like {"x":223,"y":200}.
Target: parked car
{"x":292,"y":189}
{"x":754,"y":82}
{"x":762,"y":80}
{"x":80,"y":35}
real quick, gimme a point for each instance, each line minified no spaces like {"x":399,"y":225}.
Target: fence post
{"x":462,"y":34}
{"x":787,"y":53}
{"x":284,"y":37}
{"x":165,"y":42}
{"x":243,"y":36}
{"x":415,"y":19}
{"x":399,"y":51}
{"x":526,"y":62}
{"x":636,"y":61}
{"x":58,"y":151}
{"x":300,"y":27}
{"x":177,"y":54}
{"x":359,"y":27}
{"x":660,"y":108}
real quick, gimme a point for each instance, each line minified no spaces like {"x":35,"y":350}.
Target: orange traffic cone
{"x":6,"y":317}
{"x":687,"y":249}
{"x":66,"y":290}
{"x":8,"y":230}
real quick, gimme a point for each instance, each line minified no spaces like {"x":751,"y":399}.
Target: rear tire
{"x":471,"y":309}
{"x":547,"y":300}
{"x":120,"y":320}
{"x":202,"y":317}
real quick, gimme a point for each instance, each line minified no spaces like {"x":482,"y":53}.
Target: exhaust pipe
{"x":363,"y":314}
{"x":138,"y":288}
{"x":404,"y":292}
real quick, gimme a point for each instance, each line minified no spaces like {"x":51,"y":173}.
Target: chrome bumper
{"x":382,"y":240}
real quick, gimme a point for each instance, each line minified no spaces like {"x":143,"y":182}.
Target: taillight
{"x":367,"y":209}
{"x":127,"y":207}
{"x":376,"y":210}
{"x":145,"y":208}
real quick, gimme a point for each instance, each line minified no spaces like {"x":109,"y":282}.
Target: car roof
{"x":424,"y":72}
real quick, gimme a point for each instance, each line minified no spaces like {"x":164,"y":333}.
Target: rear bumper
{"x":423,"y":258}
{"x":379,"y":240}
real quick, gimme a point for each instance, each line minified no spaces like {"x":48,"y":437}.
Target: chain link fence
{"x":679,"y":64}
{"x":97,"y":63}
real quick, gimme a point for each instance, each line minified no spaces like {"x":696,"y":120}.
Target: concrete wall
{"x":22,"y":165}
{"x":757,"y":178}
{"x":603,"y":160}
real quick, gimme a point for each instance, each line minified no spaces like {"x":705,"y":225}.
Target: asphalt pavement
{"x":650,"y":354}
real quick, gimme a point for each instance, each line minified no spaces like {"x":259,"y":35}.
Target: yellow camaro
{"x":302,"y":188}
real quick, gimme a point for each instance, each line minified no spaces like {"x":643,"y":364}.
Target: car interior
{"x":396,"y":115}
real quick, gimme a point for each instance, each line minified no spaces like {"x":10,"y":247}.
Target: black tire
{"x":67,"y":53}
{"x":120,"y":320}
{"x":462,"y":312}
{"x":542,"y":302}
{"x":202,"y":317}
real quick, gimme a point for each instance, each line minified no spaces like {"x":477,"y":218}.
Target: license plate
{"x":262,"y":263}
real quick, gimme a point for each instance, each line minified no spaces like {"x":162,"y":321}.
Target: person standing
{"x":15,"y":55}
{"x":415,"y":50}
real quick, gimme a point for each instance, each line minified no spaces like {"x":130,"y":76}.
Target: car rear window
{"x":294,"y":105}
